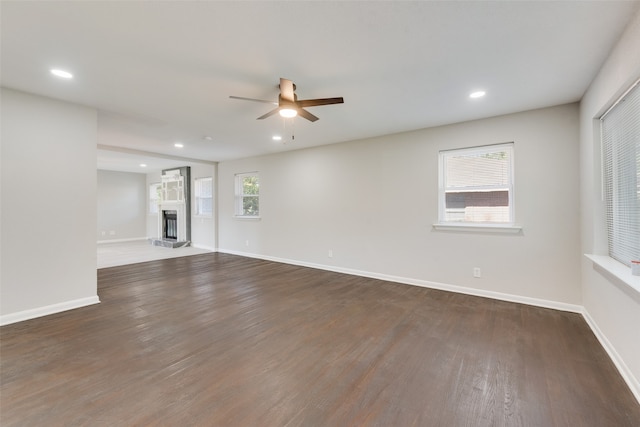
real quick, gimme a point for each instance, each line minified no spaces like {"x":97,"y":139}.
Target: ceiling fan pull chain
{"x":292,"y":130}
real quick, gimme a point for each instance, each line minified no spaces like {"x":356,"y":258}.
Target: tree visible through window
{"x":155,"y":191}
{"x":247,"y":195}
{"x":476,"y":185}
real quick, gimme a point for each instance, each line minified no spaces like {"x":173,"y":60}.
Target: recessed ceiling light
{"x":477,"y":94}
{"x":178,"y":145}
{"x":208,"y":138}
{"x":276,"y":138}
{"x":61,"y":73}
{"x":142,"y":165}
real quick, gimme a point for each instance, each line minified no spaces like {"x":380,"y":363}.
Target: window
{"x":204,"y":196}
{"x":476,"y":185}
{"x":247,"y":195}
{"x":155,"y":191}
{"x":621,"y":176}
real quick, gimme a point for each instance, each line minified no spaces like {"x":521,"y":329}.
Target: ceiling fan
{"x":289,"y":105}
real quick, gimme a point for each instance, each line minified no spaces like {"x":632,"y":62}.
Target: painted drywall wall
{"x":48,"y":206}
{"x":203,"y":228}
{"x":373,"y":202}
{"x":122,"y":206}
{"x":612,"y":306}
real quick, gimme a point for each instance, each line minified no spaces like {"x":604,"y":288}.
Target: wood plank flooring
{"x":222,"y":340}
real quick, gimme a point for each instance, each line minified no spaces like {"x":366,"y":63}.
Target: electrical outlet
{"x":246,"y":243}
{"x":330,"y":255}
{"x":477,"y":272}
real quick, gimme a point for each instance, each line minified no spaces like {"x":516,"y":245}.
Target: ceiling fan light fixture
{"x":61,"y":73}
{"x":289,"y":105}
{"x":288,"y":113}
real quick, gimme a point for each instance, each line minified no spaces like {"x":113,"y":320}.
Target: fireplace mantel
{"x":175,"y":196}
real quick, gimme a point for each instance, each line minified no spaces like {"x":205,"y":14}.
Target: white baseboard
{"x":132,"y":239}
{"x":622,"y":367}
{"x":20,"y":316}
{"x":423,"y":283}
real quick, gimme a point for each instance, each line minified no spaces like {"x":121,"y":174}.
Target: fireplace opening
{"x":170,"y":225}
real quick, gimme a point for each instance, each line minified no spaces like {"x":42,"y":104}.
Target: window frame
{"x":483,"y":226}
{"x":240,"y":196}
{"x":613,"y":175}
{"x":154,"y":201}
{"x":197,"y":186}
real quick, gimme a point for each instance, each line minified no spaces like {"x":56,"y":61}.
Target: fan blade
{"x":269,"y":114}
{"x":253,"y":99}
{"x":286,"y":90}
{"x":322,"y":101}
{"x":307,"y":115}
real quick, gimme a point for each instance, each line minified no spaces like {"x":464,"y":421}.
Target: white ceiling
{"x":160,"y":72}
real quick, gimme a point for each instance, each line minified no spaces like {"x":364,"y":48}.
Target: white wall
{"x":612,"y":307}
{"x":122,"y":206}
{"x":373,"y":203}
{"x":203,"y":228}
{"x":48,"y":206}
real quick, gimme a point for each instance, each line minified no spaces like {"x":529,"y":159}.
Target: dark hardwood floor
{"x":222,"y":340}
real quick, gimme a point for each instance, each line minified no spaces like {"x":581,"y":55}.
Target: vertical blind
{"x":621,"y":172}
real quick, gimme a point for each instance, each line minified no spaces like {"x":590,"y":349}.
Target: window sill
{"x":479,"y":228}
{"x":616,"y":269}
{"x":249,"y":218}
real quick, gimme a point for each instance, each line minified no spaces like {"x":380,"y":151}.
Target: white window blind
{"x":204,"y":196}
{"x":155,"y":192}
{"x":621,"y":172}
{"x":476,"y":185}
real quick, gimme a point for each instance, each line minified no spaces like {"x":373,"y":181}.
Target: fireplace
{"x":170,"y":225}
{"x":174,"y":209}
